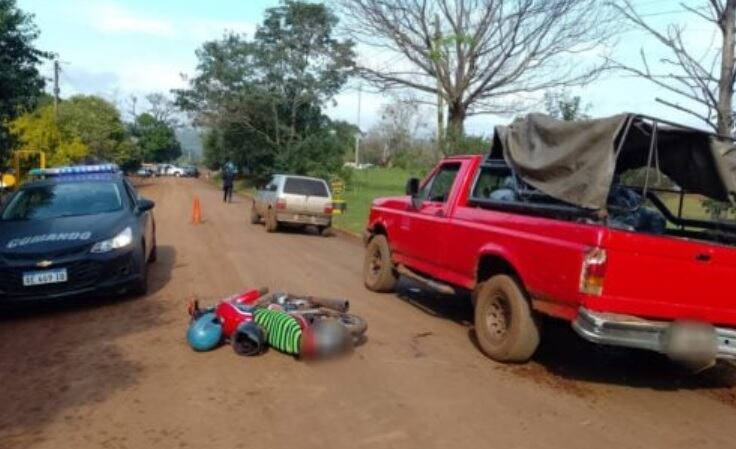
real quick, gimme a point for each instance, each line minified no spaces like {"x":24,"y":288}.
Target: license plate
{"x":44,"y":277}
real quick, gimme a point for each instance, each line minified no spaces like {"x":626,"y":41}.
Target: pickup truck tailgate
{"x":669,"y":278}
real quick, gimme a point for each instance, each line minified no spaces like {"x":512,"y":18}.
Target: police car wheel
{"x":140,"y":287}
{"x":154,"y":254}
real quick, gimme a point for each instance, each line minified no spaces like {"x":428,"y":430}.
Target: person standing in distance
{"x":228,"y":178}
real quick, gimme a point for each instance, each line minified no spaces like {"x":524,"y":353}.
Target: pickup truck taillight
{"x":281,"y":204}
{"x":328,"y":210}
{"x":593,"y":272}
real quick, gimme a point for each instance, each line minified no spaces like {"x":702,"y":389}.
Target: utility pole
{"x":725,"y":94}
{"x":57,"y":91}
{"x":357,"y":135}
{"x":437,"y":50}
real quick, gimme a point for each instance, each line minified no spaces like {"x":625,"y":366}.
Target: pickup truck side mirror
{"x":412,"y":187}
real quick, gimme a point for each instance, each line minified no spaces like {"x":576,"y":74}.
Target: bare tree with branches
{"x":162,"y":108}
{"x":705,"y":81}
{"x":481,"y":56}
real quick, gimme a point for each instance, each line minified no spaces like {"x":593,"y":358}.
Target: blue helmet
{"x":205,"y":332}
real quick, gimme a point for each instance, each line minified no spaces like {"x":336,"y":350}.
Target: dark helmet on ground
{"x":249,"y":339}
{"x":205,"y":332}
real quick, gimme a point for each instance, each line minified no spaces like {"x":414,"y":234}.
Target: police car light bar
{"x":75,"y":170}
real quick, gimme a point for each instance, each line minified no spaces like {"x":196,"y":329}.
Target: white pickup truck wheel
{"x":379,"y":273}
{"x":272,"y":223}
{"x":504,"y":324}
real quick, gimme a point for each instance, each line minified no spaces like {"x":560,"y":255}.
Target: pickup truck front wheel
{"x":379,"y":273}
{"x":504,"y":325}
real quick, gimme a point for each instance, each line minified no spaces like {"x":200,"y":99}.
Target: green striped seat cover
{"x":282,"y":330}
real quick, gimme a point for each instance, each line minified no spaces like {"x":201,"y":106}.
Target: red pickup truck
{"x":525,"y":237}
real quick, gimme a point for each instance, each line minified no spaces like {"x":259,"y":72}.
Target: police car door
{"x":145,"y":222}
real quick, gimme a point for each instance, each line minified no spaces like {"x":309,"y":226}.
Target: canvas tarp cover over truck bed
{"x":575,"y":162}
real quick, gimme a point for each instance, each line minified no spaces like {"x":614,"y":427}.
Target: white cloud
{"x":137,"y":78}
{"x":149,"y":76}
{"x":110,"y":17}
{"x":201,"y":30}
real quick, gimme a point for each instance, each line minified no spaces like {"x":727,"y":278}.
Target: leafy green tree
{"x":262,"y":98}
{"x":562,"y":105}
{"x":97,"y":122}
{"x":156,"y":139}
{"x":21,"y":85}
{"x":39,"y":131}
{"x":85,"y":128}
{"x":471,"y":144}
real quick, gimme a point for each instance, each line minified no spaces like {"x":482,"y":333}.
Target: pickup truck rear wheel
{"x":325,"y":231}
{"x":504,"y":324}
{"x":379,"y":273}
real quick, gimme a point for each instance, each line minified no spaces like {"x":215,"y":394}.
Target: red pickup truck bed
{"x":617,"y":287}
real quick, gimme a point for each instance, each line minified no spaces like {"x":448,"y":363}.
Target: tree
{"x":704,"y":82}
{"x":397,"y":131}
{"x":21,"y":85}
{"x":39,"y":131}
{"x":162,"y":109}
{"x":560,"y":104}
{"x":85,"y":128}
{"x":98,"y":124}
{"x":262,"y":98}
{"x":156,"y":139}
{"x":480,"y":56}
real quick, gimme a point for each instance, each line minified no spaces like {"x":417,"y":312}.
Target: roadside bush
{"x":415,"y":159}
{"x":467,"y":144}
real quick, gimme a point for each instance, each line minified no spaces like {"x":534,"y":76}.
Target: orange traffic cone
{"x":196,"y":211}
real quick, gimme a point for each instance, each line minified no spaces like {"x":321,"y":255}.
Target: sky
{"x":119,"y":48}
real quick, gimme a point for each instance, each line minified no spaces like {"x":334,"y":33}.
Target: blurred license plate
{"x":305,"y":218}
{"x":44,"y":277}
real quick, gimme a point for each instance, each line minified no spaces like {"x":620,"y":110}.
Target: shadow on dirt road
{"x":56,"y":359}
{"x":563,"y":358}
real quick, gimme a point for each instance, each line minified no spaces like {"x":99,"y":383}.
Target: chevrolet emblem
{"x":44,"y":264}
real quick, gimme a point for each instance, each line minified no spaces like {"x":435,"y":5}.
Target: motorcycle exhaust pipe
{"x":338,"y":305}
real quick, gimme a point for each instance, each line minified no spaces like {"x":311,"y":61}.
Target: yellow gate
{"x":21,"y":166}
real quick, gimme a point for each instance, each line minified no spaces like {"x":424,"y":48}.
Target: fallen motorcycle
{"x":304,"y":326}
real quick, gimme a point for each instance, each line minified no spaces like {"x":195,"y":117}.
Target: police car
{"x":78,"y":230}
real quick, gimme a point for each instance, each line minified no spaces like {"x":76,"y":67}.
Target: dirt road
{"x":118,"y":373}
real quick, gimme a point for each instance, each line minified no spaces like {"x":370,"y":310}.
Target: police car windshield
{"x":63,"y":200}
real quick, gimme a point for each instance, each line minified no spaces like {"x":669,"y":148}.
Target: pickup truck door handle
{"x":702,"y":257}
{"x":439,"y":213}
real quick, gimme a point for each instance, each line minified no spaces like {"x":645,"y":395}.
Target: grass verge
{"x":365,"y":186}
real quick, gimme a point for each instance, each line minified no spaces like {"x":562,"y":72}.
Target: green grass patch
{"x":365,"y":186}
